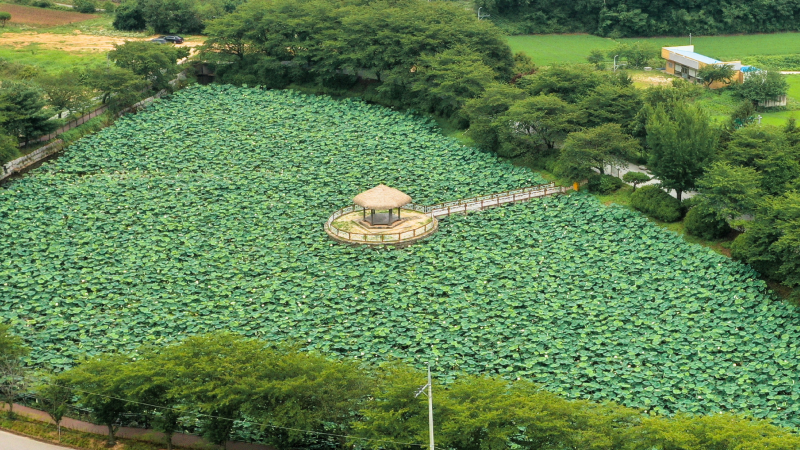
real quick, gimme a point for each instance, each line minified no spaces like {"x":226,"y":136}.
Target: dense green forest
{"x":623,"y":18}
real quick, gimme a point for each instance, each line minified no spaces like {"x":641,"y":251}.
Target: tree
{"x":482,"y":113}
{"x":445,"y":81}
{"x":762,"y":85}
{"x":128,"y":17}
{"x":392,"y":412}
{"x":65,"y":91}
{"x":523,"y":64}
{"x":171,"y":16}
{"x":597,"y":58}
{"x":22,"y":110}
{"x":13,"y":375}
{"x":150,"y":382}
{"x":682,"y":142}
{"x":611,"y":103}
{"x":100,"y":385}
{"x":85,"y":6}
{"x":535,"y":124}
{"x":157,"y":64}
{"x":765,"y":149}
{"x":118,"y":87}
{"x":743,"y":115}
{"x":4,"y":17}
{"x":635,"y":178}
{"x":570,"y":83}
{"x":216,"y":374}
{"x":56,"y":397}
{"x":770,"y":241}
{"x":713,"y":73}
{"x":308,"y":391}
{"x":595,"y":148}
{"x":9,"y":148}
{"x":637,"y":54}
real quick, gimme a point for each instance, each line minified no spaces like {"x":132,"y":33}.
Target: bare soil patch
{"x":40,"y":16}
{"x":75,"y":42}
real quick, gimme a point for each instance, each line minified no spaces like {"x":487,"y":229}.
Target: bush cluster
{"x":703,"y":222}
{"x":603,"y":184}
{"x":656,"y":203}
{"x":85,"y":6}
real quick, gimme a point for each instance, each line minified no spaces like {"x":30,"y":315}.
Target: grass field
{"x":547,"y":49}
{"x":49,"y":60}
{"x":721,"y":104}
{"x":573,"y":48}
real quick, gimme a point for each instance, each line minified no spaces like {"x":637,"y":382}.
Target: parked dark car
{"x":173,"y":39}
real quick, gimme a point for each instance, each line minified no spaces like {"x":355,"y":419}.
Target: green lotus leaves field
{"x":205,"y":213}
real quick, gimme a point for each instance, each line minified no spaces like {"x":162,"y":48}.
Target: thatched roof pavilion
{"x":382,"y":198}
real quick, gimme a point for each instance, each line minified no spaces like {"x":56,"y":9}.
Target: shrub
{"x":85,"y":6}
{"x":42,"y":4}
{"x":701,"y":221}
{"x":128,"y":17}
{"x":635,"y":178}
{"x":603,"y":184}
{"x":9,"y":149}
{"x":656,"y":203}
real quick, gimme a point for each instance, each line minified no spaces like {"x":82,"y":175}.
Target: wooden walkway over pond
{"x":464,"y":206}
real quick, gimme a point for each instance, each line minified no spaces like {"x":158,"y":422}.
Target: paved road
{"x":10,"y":441}
{"x":631,"y":167}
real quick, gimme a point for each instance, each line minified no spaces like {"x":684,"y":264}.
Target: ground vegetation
{"x":278,"y":183}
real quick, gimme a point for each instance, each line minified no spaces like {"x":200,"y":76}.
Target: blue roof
{"x":695,"y":56}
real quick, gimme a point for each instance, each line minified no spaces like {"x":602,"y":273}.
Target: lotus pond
{"x":159,"y":227}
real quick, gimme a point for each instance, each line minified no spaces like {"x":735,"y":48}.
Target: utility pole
{"x":429,"y":394}
{"x":690,"y":38}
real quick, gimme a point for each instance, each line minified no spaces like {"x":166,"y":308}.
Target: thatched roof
{"x":382,"y":197}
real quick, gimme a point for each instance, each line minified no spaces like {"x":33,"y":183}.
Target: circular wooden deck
{"x":347,"y":226}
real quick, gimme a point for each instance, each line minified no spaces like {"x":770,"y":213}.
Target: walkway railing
{"x":440,"y":210}
{"x":489,"y":201}
{"x":377,"y":238}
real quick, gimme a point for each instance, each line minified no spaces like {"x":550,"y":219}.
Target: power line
{"x":232,"y":420}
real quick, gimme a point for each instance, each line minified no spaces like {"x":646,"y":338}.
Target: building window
{"x":670,"y":65}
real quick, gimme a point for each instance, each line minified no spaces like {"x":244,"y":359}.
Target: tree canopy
{"x":406,"y":45}
{"x":630,"y":18}
{"x":682,"y":142}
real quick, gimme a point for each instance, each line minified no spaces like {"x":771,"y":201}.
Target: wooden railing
{"x":489,"y":201}
{"x":377,"y":238}
{"x":441,"y":210}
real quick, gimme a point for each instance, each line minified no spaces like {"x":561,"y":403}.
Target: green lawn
{"x":573,"y":48}
{"x":720,"y":104}
{"x":559,"y":48}
{"x":50,"y":60}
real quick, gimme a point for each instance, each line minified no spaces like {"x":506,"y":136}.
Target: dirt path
{"x":75,"y":42}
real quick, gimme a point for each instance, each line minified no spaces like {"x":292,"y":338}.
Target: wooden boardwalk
{"x":490,"y":201}
{"x":435,"y":212}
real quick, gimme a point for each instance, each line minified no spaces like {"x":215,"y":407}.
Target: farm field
{"x":29,"y":15}
{"x":573,"y":48}
{"x":157,"y":227}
